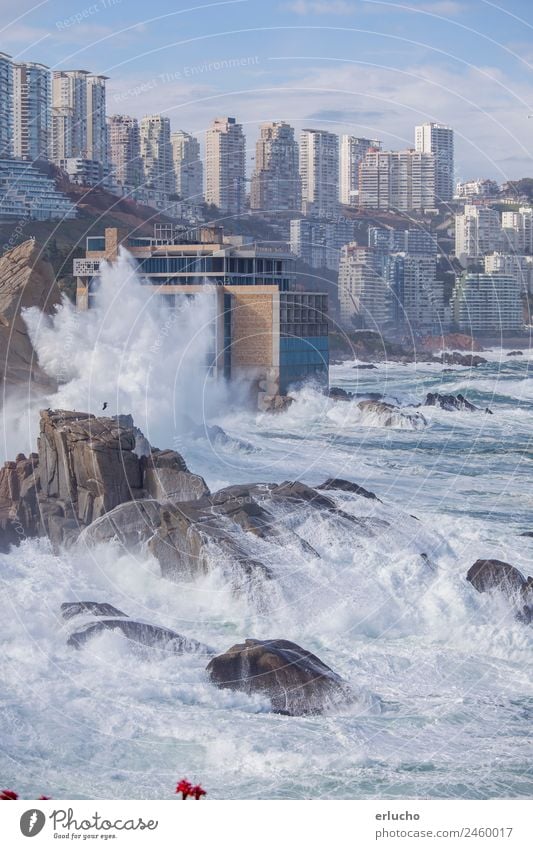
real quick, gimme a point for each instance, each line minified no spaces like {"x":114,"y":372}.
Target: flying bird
{"x":105,"y":406}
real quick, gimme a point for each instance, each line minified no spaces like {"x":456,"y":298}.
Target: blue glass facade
{"x":301,"y":358}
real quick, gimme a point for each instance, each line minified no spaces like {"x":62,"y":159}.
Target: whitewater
{"x":443,"y":674}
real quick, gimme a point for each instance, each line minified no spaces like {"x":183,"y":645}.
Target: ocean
{"x":443,"y":674}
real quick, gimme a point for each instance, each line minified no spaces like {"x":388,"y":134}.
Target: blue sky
{"x":367,"y":67}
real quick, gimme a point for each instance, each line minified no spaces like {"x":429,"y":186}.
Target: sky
{"x":372,"y":68}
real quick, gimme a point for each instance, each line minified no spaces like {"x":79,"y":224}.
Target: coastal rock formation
{"x":515,"y":354}
{"x":296,"y":681}
{"x":452,"y":402}
{"x":165,"y":477}
{"x":347,"y":486}
{"x":456,"y":341}
{"x":92,"y":618}
{"x":387,"y":415}
{"x":86,"y":466}
{"x":498,"y":576}
{"x":457,"y":359}
{"x":26,"y":280}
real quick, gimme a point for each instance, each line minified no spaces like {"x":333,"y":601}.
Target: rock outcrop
{"x":515,"y":354}
{"x":457,"y":359}
{"x":498,"y":576}
{"x":452,"y":402}
{"x":295,"y":681}
{"x":86,"y":466}
{"x":347,"y":486}
{"x":387,"y":415}
{"x":26,"y":280}
{"x":92,"y":618}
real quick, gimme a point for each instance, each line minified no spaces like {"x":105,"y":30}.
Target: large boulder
{"x":26,"y":280}
{"x":131,"y":524}
{"x":165,"y":477}
{"x":498,"y":576}
{"x":387,"y":415}
{"x":19,"y":507}
{"x":451,"y":402}
{"x":455,"y":358}
{"x":295,"y":681}
{"x":347,"y":486}
{"x":92,"y":618}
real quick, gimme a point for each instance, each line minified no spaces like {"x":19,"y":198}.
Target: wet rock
{"x":451,"y":402}
{"x":348,"y":486}
{"x":457,"y":359}
{"x":498,"y":576}
{"x":69,"y":609}
{"x":273,"y":403}
{"x":192,"y":535}
{"x":339,"y":394}
{"x":165,"y":477}
{"x":131,"y":524}
{"x":108,"y":618}
{"x":515,"y":354}
{"x":364,"y":366}
{"x":296,"y":681}
{"x":26,"y":280}
{"x":387,"y":415}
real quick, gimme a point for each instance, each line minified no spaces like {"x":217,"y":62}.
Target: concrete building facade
{"x":276,"y":184}
{"x":263,"y":332}
{"x":225,"y":166}
{"x":487,"y":303}
{"x":319,"y":172}
{"x":6,"y":106}
{"x":438,"y":139}
{"x":156,"y":154}
{"x":125,"y":151}
{"x":352,"y":152}
{"x":32,"y":101}
{"x":478,"y":231}
{"x":188,"y":167}
{"x":402,"y":181}
{"x":364,"y":293}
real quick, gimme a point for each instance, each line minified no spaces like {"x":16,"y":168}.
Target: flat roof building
{"x":265,"y":332}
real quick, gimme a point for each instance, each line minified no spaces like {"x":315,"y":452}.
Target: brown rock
{"x":296,"y":681}
{"x":26,"y":280}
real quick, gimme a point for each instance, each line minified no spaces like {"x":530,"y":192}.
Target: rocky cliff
{"x":84,"y":468}
{"x":26,"y":280}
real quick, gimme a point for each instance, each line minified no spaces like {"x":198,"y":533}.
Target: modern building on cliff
{"x":265,"y":331}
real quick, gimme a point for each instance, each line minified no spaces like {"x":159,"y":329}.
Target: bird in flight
{"x":105,"y":406}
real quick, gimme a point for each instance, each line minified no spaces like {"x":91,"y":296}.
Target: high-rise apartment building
{"x":364,"y":293}
{"x":438,"y":140}
{"x":318,"y":241}
{"x":225,"y":164}
{"x":520,"y":267}
{"x":69,"y":115}
{"x":403,"y":180}
{"x":411,"y":240}
{"x":97,"y":149}
{"x":32,"y":100}
{"x":319,"y":172}
{"x":156,"y":154}
{"x":276,"y":185}
{"x":417,"y":297}
{"x":488,"y":303}
{"x":6,"y":106}
{"x":188,"y":167}
{"x":352,"y":151}
{"x":477,"y":232}
{"x":125,"y":150}
{"x":518,"y":229}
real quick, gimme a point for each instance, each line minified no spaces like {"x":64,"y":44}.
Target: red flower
{"x":8,"y":795}
{"x":184,"y":787}
{"x":197,"y":791}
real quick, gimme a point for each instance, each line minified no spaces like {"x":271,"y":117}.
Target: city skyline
{"x":369,"y":69}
